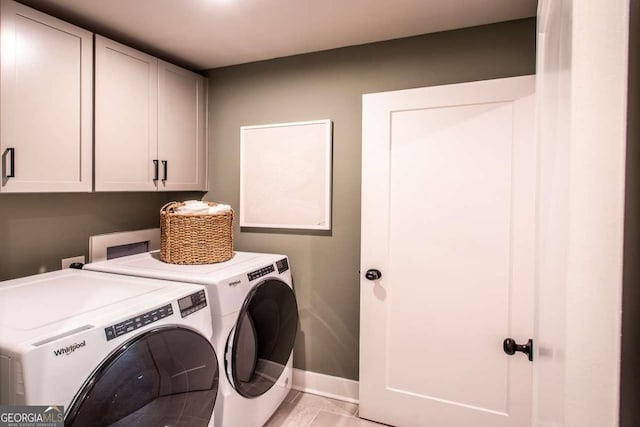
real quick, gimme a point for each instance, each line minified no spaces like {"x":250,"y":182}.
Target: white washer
{"x":255,"y":321}
{"x":113,"y":350}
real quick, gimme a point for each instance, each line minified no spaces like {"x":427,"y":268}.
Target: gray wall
{"x":630,"y":372}
{"x":329,"y":85}
{"x":38,"y":230}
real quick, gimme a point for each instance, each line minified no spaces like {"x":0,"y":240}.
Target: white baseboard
{"x":326,"y":385}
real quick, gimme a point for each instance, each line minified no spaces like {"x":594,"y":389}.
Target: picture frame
{"x":285,"y":175}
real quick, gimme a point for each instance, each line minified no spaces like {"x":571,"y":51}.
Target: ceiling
{"x":203,"y":34}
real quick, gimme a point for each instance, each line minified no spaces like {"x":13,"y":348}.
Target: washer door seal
{"x":261,"y":342}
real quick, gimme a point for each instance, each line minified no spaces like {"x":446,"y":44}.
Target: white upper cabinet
{"x":150,"y":122}
{"x":126,"y":118}
{"x":181,"y":128}
{"x":46,"y":75}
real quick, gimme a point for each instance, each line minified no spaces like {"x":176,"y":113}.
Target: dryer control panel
{"x":192,"y":303}
{"x":262,"y":272}
{"x":283,"y":265}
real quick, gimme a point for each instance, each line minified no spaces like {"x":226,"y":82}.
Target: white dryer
{"x":255,"y":321}
{"x":113,"y":350}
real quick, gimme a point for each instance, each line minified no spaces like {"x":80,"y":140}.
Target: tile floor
{"x":308,"y":410}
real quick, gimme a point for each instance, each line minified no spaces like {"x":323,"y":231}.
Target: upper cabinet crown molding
{"x":150,"y":117}
{"x":46,"y":100}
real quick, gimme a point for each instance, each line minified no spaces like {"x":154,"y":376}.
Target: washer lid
{"x":43,"y":299}
{"x":148,"y":264}
{"x":38,"y":309}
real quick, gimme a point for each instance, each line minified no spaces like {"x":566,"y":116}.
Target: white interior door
{"x":448,"y":214}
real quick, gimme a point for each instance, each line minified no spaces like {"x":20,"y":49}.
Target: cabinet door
{"x":46,"y":78}
{"x":181,"y":129}
{"x":126,"y":115}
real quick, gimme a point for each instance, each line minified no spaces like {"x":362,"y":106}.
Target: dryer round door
{"x":163,"y":377}
{"x":262,"y":340}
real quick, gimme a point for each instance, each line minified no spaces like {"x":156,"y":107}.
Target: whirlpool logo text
{"x":69,"y":349}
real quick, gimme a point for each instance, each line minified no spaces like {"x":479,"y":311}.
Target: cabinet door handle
{"x":155,"y":170}
{"x":164,"y":164}
{"x":11,"y":152}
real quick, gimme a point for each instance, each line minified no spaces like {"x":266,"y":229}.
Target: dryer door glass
{"x":164,"y":377}
{"x":263,"y":338}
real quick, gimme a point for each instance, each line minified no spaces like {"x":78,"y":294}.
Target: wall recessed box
{"x":285,"y":175}
{"x":115,"y":245}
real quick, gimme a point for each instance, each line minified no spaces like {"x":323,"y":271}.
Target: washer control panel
{"x":192,"y":303}
{"x":139,"y":321}
{"x":262,"y":272}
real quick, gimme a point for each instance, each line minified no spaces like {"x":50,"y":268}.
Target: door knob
{"x":373,"y":274}
{"x":510,"y":347}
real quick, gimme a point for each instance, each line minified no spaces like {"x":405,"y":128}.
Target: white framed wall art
{"x":285,"y":175}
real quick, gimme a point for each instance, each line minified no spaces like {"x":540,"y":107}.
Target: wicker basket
{"x":195,"y":238}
